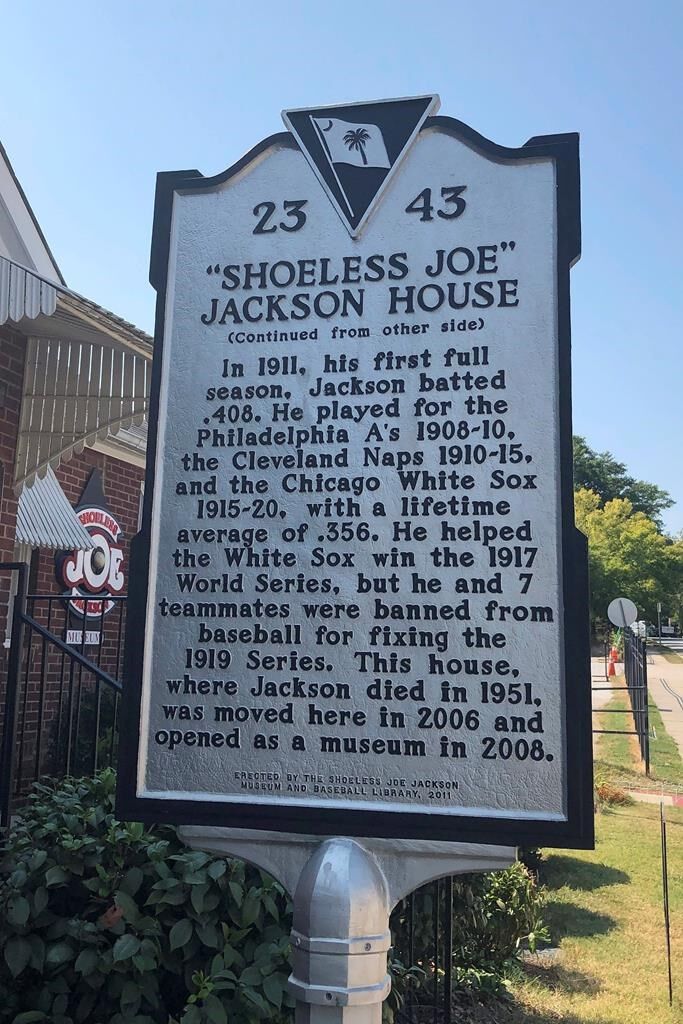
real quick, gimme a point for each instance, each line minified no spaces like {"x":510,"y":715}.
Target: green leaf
{"x":29,"y":1017}
{"x":197,"y":898}
{"x":59,"y":953}
{"x":195,"y":878}
{"x":181,"y":933}
{"x":136,"y":830}
{"x":85,"y":1006}
{"x":208,"y":935}
{"x":41,"y":898}
{"x":56,"y":876}
{"x":217,"y":868}
{"x":271,"y":906}
{"x":251,"y":976}
{"x":130,"y":996}
{"x":144,"y":963}
{"x":237,"y":892}
{"x":86,"y":961}
{"x":257,"y":999}
{"x":18,"y":911}
{"x":17,"y":954}
{"x":191,"y":1016}
{"x":125,"y":947}
{"x":128,"y":906}
{"x":250,"y":909}
{"x":173,"y":898}
{"x":215,"y":1010}
{"x":272,"y":986}
{"x":59,"y":1006}
{"x":132,"y":880}
{"x":37,"y":951}
{"x":37,"y":861}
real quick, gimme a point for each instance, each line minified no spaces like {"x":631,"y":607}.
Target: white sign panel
{"x":622,"y":612}
{"x":359,"y":540}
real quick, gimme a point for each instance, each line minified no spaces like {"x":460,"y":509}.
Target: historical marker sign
{"x":360,"y":596}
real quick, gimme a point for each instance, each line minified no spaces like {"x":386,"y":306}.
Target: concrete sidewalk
{"x":665,"y":683}
{"x":600,"y":695}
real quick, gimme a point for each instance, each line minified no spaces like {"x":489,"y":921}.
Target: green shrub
{"x":105,"y":922}
{"x":495,"y":916}
{"x":607,"y":795}
{"x":109,"y":923}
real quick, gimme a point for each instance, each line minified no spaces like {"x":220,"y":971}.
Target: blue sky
{"x":95,"y":99}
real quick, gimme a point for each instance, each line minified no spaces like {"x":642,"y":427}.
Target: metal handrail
{"x":73,"y":653}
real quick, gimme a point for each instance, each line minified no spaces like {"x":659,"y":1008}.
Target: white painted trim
{"x":25,"y":224}
{"x":123,"y":454}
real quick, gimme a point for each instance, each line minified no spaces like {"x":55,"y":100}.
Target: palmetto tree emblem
{"x":356,"y":139}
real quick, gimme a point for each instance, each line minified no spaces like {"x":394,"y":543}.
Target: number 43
{"x":422,"y":203}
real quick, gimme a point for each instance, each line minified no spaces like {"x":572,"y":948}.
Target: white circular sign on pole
{"x":622,"y":612}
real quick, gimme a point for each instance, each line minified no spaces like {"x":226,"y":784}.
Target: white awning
{"x":87,"y":374}
{"x":23,"y":293}
{"x":45,"y":519}
{"x":75,"y":393}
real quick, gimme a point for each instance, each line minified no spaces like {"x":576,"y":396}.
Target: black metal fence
{"x":635,"y":672}
{"x":62,"y":691}
{"x":423,"y":936}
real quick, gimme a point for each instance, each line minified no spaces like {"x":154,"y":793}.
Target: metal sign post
{"x":358,"y":602}
{"x":344,"y":891}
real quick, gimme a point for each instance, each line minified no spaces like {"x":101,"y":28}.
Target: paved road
{"x":676,"y":644}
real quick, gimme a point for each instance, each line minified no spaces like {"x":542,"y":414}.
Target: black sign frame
{"x":577,"y":831}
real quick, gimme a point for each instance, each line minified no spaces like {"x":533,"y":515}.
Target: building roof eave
{"x":42,"y":309}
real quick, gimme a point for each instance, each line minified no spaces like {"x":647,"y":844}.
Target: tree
{"x":601,"y":473}
{"x":356,"y":139}
{"x":628,"y":556}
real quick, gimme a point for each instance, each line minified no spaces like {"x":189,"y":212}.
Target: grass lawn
{"x":671,"y":656}
{"x":665,"y":759}
{"x":605,"y":913}
{"x":605,"y":905}
{"x":617,"y":759}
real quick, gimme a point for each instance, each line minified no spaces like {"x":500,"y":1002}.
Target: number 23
{"x":293,"y":209}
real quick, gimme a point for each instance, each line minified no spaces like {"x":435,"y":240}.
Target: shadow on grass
{"x":565,"y":919}
{"x":557,"y":978}
{"x":559,"y":871}
{"x":508,"y":1011}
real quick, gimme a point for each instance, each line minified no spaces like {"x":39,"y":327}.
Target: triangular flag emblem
{"x":355,"y":149}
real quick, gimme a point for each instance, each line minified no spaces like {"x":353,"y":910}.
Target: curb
{"x":647,"y":796}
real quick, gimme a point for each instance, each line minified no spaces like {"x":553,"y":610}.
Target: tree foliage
{"x":602,"y":473}
{"x":628,"y":556}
